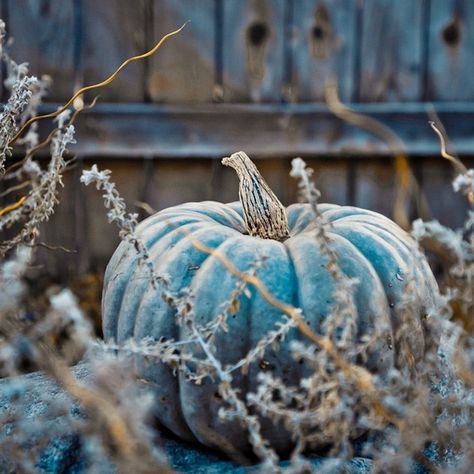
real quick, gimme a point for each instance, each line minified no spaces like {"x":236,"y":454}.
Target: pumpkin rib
{"x":315,"y":286}
{"x":385,"y":260}
{"x":113,"y":298}
{"x":157,"y":244}
{"x":139,"y":280}
{"x":277,"y":275}
{"x":200,"y":417}
{"x":213,"y":211}
{"x":305,"y":216}
{"x":155,"y":318}
{"x":408,"y":250}
{"x":336,"y":214}
{"x":373,"y":314}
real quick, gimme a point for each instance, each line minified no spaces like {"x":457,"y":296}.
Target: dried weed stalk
{"x":419,"y":412}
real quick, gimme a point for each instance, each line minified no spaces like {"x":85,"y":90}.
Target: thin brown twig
{"x":460,"y":168}
{"x":51,"y":135}
{"x":407,"y":184}
{"x":146,"y":207}
{"x":12,"y":207}
{"x":457,"y":163}
{"x":17,"y":187}
{"x":50,"y":247}
{"x":99,"y":85}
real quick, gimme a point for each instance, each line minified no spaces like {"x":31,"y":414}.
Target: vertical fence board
{"x":391,"y":50}
{"x":225,"y":185}
{"x":447,"y":206}
{"x":276,"y":174}
{"x":375,"y":185}
{"x":450,"y":56}
{"x":323,"y":48}
{"x":44,"y":37}
{"x":183,"y":70}
{"x":253,"y":50}
{"x":113,"y":30}
{"x":102,"y":237}
{"x":60,"y":230}
{"x":331,"y":179}
{"x":178,"y":181}
{"x":81,"y":219}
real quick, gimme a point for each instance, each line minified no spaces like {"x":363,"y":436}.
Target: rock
{"x":48,"y":436}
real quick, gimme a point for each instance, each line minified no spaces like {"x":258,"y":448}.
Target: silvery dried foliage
{"x":50,"y":332}
{"x":422,"y":412}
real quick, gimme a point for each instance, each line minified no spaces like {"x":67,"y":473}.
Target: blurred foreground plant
{"x":421,"y":412}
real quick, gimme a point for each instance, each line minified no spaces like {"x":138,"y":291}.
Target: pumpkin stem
{"x":265,"y":216}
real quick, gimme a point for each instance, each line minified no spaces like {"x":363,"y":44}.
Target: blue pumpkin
{"x":369,"y":247}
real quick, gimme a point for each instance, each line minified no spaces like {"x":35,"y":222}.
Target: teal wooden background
{"x":249,"y":74}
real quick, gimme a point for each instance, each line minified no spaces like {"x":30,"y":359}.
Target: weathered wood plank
{"x":102,"y":237}
{"x":183,"y":70}
{"x":81,"y":221}
{"x":447,"y":206}
{"x":253,"y":50}
{"x":114,"y":30}
{"x":177,"y":181}
{"x":44,"y":33}
{"x":391,"y":50}
{"x":331,"y":179}
{"x":124,"y":130}
{"x":225,"y":184}
{"x":375,"y":186}
{"x":323,"y":48}
{"x":450,"y":56}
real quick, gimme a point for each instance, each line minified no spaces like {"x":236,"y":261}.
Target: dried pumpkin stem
{"x":265,"y":216}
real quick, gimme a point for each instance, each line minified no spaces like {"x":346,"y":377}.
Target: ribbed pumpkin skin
{"x":369,"y":247}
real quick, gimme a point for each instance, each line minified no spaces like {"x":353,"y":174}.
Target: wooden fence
{"x":251,"y":75}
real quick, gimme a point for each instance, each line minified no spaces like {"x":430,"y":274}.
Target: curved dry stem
{"x":48,"y":139}
{"x":457,"y":163}
{"x":12,"y":207}
{"x":17,"y":187}
{"x":99,"y":85}
{"x":408,"y":185}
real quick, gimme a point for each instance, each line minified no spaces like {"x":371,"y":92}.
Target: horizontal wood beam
{"x":273,"y":130}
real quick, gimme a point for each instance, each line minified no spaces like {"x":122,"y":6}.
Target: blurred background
{"x":248,"y":75}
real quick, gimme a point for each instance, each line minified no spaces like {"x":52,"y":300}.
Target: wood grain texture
{"x":391,"y":50}
{"x":44,"y":33}
{"x":114,"y":30}
{"x":375,"y":186}
{"x":253,"y":50}
{"x":331,"y":179}
{"x":183,"y":70}
{"x":262,"y":130}
{"x":276,"y":173}
{"x":323,"y":46}
{"x":178,"y":181}
{"x":450,"y":56}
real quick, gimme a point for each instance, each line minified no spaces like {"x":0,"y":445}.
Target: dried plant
{"x":420,"y":412}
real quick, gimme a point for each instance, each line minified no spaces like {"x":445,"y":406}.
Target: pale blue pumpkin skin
{"x":369,"y":247}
